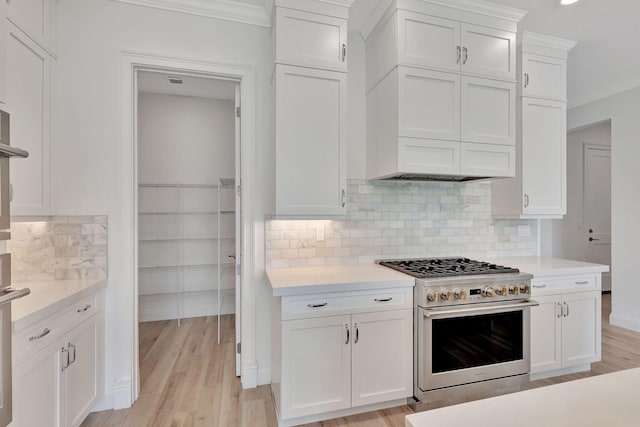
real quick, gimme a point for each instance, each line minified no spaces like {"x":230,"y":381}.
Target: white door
{"x":310,"y":141}
{"x":488,"y":52}
{"x":488,"y":111}
{"x":316,"y":365}
{"x":597,"y":208}
{"x":238,"y":234}
{"x":546,"y":334}
{"x":382,"y":356}
{"x":581,"y":328}
{"x":428,"y":104}
{"x":544,"y":157}
{"x":428,"y":41}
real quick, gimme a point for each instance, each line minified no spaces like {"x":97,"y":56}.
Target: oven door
{"x":471,"y":343}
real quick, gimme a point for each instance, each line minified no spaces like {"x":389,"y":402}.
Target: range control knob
{"x":502,"y":290}
{"x":488,"y":291}
{"x":446,"y":295}
{"x":433,"y":296}
{"x":460,"y":294}
{"x":514,"y":290}
{"x":524,"y":289}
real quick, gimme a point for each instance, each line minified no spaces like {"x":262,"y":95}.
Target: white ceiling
{"x":191,"y":86}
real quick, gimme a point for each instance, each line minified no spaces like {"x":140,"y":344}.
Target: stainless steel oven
{"x":473,"y":342}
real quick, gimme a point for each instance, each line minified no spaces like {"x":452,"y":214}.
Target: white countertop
{"x":541,"y":266}
{"x":604,"y":400}
{"x":309,"y":280}
{"x":48,"y":298}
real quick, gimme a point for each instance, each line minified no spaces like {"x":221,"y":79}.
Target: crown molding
{"x":547,"y":41}
{"x":220,"y":9}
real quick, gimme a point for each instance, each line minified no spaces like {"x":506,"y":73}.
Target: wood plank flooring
{"x":189,"y":380}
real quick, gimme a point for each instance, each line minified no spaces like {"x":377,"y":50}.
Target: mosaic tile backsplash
{"x":64,"y":247}
{"x":402,"y":220}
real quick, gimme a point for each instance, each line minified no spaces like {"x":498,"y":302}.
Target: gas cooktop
{"x":444,"y":267}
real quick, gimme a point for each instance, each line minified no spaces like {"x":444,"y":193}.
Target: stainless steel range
{"x":471,"y":326}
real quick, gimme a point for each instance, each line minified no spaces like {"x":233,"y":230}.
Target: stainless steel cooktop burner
{"x":444,"y":267}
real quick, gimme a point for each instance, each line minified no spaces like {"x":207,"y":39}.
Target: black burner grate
{"x":444,"y":267}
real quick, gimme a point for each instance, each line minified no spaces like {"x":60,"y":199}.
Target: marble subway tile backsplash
{"x":402,"y":220}
{"x":64,"y":247}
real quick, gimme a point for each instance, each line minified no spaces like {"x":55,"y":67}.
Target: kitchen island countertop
{"x":543,"y":266}
{"x":603,"y":400}
{"x":48,"y":298}
{"x":309,"y":280}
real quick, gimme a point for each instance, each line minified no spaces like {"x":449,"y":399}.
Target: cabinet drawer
{"x":41,"y":334}
{"x":330,"y":304}
{"x":552,"y":285}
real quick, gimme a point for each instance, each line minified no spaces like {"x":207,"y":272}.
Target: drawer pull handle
{"x":383,"y":299}
{"x":71,"y":346}
{"x":539,"y":286}
{"x":85,"y":308}
{"x":45,"y":332}
{"x":316,"y":305}
{"x":584,"y":282}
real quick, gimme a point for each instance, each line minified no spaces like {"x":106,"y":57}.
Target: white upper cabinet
{"x":28,"y":101}
{"x":428,"y":41}
{"x":310,"y":79}
{"x":310,"y":141}
{"x":539,"y":189}
{"x":488,"y":52}
{"x":544,"y":151}
{"x":544,"y":77}
{"x":311,"y":40}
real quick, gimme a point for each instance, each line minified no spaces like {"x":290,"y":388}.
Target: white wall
{"x":91,"y":36}
{"x":623,"y":111}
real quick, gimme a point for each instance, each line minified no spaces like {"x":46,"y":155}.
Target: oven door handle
{"x":431,"y":312}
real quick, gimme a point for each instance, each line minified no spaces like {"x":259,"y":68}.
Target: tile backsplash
{"x":402,"y":219}
{"x":63,"y":247}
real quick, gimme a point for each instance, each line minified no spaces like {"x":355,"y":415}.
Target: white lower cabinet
{"x":565,"y":331}
{"x":336,"y":361}
{"x":59,"y":385}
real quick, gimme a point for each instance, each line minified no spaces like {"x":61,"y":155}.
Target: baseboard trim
{"x":122,"y":393}
{"x":627,"y":322}
{"x":264,"y":376}
{"x":249,"y":376}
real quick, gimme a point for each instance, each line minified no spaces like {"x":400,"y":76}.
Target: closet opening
{"x":189,"y":220}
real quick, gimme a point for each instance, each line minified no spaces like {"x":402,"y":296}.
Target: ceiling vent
{"x":175,"y":80}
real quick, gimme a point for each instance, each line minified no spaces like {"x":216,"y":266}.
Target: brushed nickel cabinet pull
{"x":346,"y":326}
{"x":317,"y":305}
{"x":584,"y":282}
{"x":71,"y":346}
{"x":539,"y":286}
{"x":559,"y":310}
{"x":383,"y":299}
{"x":344,"y":52}
{"x":44,"y":333}
{"x":357,"y":334}
{"x":85,"y":308}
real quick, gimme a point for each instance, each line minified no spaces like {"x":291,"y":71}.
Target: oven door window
{"x":470,"y":341}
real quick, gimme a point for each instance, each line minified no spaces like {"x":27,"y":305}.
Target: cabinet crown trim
{"x":529,"y":38}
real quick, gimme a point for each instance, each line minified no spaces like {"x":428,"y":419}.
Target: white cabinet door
{"x":487,"y":160}
{"x":310,"y":141}
{"x":544,"y":150}
{"x":488,"y":111}
{"x":382,"y":356}
{"x":316,"y":365}
{"x":428,"y":156}
{"x":488,"y":52}
{"x":428,"y":41}
{"x":581,"y":342}
{"x":310,"y":39}
{"x":37,"y":389}
{"x":544,"y":77}
{"x":28,"y":98}
{"x":546,"y":334}
{"x":81,"y":382}
{"x":428,"y":104}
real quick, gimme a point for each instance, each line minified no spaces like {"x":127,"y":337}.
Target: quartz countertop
{"x":48,"y":298}
{"x":542,"y":266}
{"x":603,"y":400}
{"x":309,"y":280}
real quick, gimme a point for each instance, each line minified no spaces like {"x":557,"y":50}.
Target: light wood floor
{"x":189,"y":380}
